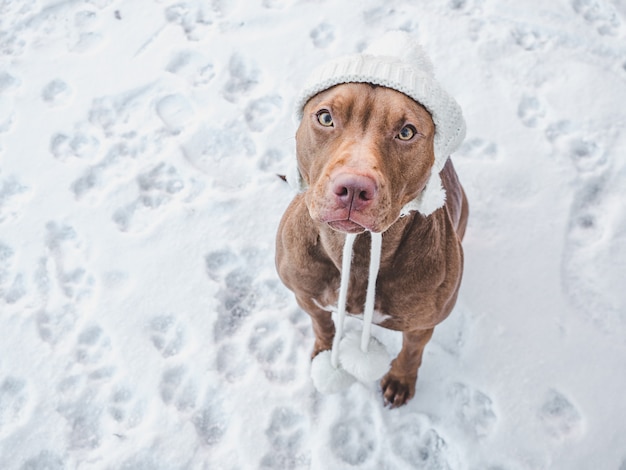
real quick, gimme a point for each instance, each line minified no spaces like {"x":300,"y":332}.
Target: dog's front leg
{"x":323,"y":325}
{"x":398,"y":385}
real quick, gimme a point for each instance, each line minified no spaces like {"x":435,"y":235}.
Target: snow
{"x":143,"y":324}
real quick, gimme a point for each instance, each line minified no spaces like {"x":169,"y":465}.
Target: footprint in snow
{"x":54,"y":324}
{"x":287,"y":434}
{"x":63,"y":282}
{"x":416,"y":442}
{"x":237,"y":301}
{"x":124,"y":409}
{"x":352,"y":438}
{"x":84,"y":421}
{"x":473,"y":410}
{"x":263,"y":112}
{"x":194,"y":19}
{"x":8,"y":83}
{"x":15,"y":404}
{"x":530,"y":111}
{"x":560,"y":418}
{"x":244,"y":76}
{"x":586,"y":148}
{"x":210,"y":421}
{"x":232,"y":361}
{"x":593,"y":249}
{"x":192,"y":66}
{"x":93,"y":353}
{"x":80,"y":144}
{"x":68,"y":255}
{"x":57,"y":92}
{"x":13,"y":196}
{"x":159,"y":188}
{"x":600,"y":15}
{"x":45,"y":460}
{"x":7,"y":114}
{"x":12,"y":287}
{"x":273,"y":346}
{"x":178,"y":389}
{"x":322,"y":35}
{"x":167,"y":335}
{"x":529,"y":38}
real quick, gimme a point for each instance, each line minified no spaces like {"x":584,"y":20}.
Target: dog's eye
{"x":325,"y":119}
{"x":407,"y":133}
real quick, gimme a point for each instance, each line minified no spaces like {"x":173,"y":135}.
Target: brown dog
{"x":365,"y":151}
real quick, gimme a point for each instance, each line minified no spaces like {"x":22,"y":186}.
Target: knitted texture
{"x":395,"y":61}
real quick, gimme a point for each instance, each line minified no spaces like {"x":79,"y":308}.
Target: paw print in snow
{"x":45,"y":460}
{"x":530,"y":111}
{"x":417,"y":443}
{"x":322,"y":35}
{"x":353,"y":441}
{"x":13,"y":195}
{"x":263,"y":112}
{"x":232,"y":361}
{"x":238,"y":299}
{"x":474,"y":409}
{"x":84,"y":421}
{"x":244,"y":76}
{"x":210,"y":421}
{"x":56,"y":92}
{"x":158,"y":187}
{"x":194,"y":67}
{"x":124,"y":409}
{"x":193,"y":19}
{"x":178,"y":389}
{"x":598,"y":14}
{"x":560,"y":417}
{"x":286,"y":433}
{"x":14,"y":404}
{"x":167,"y":335}
{"x":529,"y":38}
{"x":82,"y":145}
{"x":11,"y":284}
{"x":53,"y":324}
{"x":271,"y":346}
{"x":68,"y":255}
{"x":92,"y":352}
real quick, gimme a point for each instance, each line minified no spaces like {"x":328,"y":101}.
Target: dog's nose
{"x":354,"y":191}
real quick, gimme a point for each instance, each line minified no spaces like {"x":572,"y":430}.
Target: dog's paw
{"x":397,"y":391}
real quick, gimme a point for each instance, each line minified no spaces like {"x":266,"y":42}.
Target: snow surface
{"x":143,"y":325}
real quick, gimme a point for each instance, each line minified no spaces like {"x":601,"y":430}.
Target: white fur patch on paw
{"x":364,"y":366}
{"x":326,"y":378}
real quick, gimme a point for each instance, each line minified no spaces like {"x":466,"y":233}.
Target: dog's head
{"x":376,"y":129}
{"x":364,"y":151}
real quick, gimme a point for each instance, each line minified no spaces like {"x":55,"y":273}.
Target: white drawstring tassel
{"x":368,"y":314}
{"x":366,"y":360}
{"x":350,"y":358}
{"x":326,"y":372}
{"x":346,"y":262}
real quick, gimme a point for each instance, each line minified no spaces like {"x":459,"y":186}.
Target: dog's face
{"x":364,"y":151}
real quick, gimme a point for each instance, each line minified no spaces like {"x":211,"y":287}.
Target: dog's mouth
{"x":346,"y":226}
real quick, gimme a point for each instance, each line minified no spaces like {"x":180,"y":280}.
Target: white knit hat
{"x":396,"y":61}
